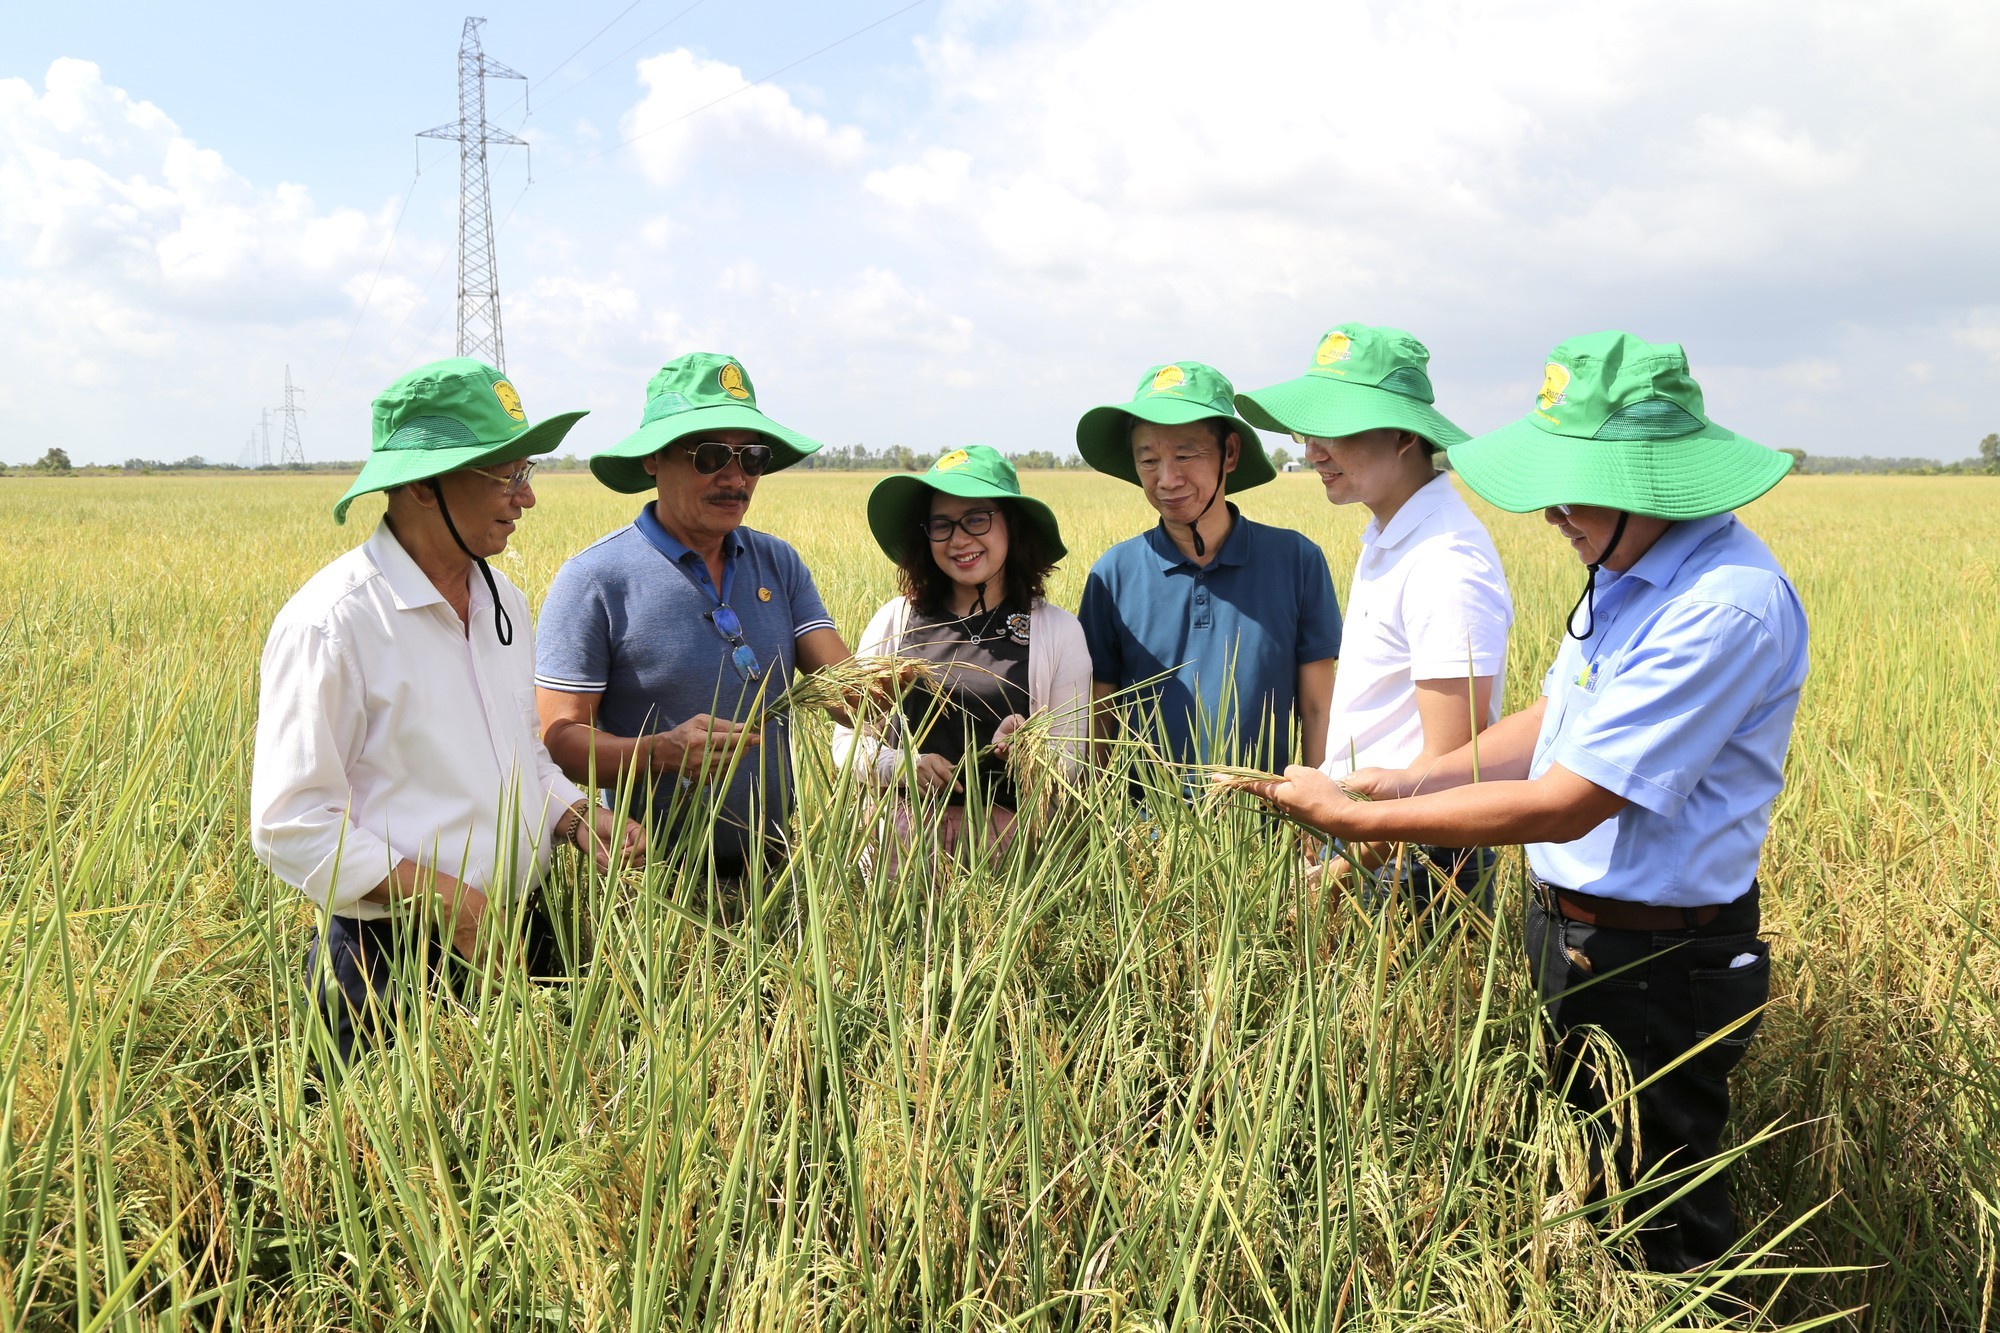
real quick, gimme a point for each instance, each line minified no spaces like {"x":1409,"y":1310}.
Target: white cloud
{"x":143,"y":277}
{"x":697,"y":111}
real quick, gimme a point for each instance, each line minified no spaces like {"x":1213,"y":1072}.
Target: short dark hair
{"x":1025,"y":574}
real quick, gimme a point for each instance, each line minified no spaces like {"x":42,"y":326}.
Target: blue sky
{"x":976,"y":220}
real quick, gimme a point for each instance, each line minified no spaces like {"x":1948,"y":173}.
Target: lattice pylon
{"x":291,"y":448}
{"x":478,"y":276}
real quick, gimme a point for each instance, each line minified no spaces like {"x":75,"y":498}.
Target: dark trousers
{"x":1656,"y":995}
{"x":1431,"y":880}
{"x":356,"y":995}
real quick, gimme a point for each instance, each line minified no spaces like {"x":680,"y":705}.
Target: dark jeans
{"x":1656,"y":995}
{"x":357,"y":997}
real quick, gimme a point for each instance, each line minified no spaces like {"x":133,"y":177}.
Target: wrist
{"x":570,"y":826}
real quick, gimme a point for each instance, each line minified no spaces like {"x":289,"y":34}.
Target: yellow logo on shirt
{"x":1588,"y":677}
{"x":763,"y":594}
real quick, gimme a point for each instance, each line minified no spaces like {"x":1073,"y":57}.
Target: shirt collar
{"x":1235,"y":547}
{"x":1663,"y":560}
{"x":408,"y":584}
{"x":673,"y":548}
{"x":1425,"y":501}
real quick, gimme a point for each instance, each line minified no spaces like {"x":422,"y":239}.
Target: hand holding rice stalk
{"x":1225,"y":780}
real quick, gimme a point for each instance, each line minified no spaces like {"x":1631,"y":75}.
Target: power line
{"x":762,"y":79}
{"x":556,"y":68}
{"x":332,"y":376}
{"x":564,"y":92}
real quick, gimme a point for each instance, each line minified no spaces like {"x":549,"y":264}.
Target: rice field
{"x":1129,"y":1075}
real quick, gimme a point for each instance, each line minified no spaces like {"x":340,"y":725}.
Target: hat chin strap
{"x":1201,"y":547}
{"x":503,"y":626}
{"x":1588,"y":601}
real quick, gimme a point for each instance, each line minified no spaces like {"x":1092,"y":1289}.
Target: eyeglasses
{"x":976,"y":522}
{"x":711,"y":456}
{"x":513,"y":482}
{"x":741,"y":655}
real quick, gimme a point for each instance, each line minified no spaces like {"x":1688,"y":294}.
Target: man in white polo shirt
{"x":1424,"y":651}
{"x":398,"y":767}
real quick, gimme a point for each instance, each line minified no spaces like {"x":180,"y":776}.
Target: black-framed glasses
{"x":711,"y":456}
{"x":513,"y":482}
{"x":976,"y":522}
{"x":742,"y":656}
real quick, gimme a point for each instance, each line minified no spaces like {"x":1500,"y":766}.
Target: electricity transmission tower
{"x":291,"y":448}
{"x":478,"y":278}
{"x":265,"y":461}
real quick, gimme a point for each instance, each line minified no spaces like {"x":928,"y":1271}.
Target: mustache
{"x":732,"y":493}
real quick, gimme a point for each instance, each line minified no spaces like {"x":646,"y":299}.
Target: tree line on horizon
{"x":901,"y":458}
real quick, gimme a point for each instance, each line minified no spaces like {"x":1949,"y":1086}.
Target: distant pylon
{"x":291,"y":449}
{"x":265,"y":461}
{"x":478,"y":277}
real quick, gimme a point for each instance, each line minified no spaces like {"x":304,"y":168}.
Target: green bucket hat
{"x":1618,"y":422}
{"x":1361,"y":378}
{"x":1171,"y":395}
{"x":445,"y":416}
{"x":697,"y":392}
{"x":976,"y":472}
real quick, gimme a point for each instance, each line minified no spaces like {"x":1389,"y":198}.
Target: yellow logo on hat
{"x":955,"y":459}
{"x":1167,"y":379}
{"x":510,"y":402}
{"x":732,"y":381}
{"x":1334,"y":347}
{"x":1555,"y":386}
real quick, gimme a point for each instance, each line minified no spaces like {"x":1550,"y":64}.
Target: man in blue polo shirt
{"x":1642,"y":780}
{"x":661,"y":644}
{"x":1226,"y":627}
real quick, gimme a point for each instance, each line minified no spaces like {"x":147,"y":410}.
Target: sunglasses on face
{"x":742,"y":657}
{"x":976,"y":522}
{"x":511,"y":483}
{"x":711,"y":456}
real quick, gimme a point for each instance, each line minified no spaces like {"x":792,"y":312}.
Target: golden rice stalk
{"x":859,"y":686}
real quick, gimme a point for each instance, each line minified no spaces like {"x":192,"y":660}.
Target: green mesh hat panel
{"x":430,"y":433}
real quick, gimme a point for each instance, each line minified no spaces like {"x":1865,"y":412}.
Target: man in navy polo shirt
{"x":661,"y":644}
{"x":1228,"y":627}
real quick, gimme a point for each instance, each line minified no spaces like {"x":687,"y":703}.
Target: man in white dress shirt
{"x":1423,"y":657}
{"x":399,"y":770}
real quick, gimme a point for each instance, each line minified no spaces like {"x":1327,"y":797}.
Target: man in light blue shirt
{"x":1643,"y":779}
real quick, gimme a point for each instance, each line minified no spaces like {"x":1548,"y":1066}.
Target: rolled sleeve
{"x":310,"y":723}
{"x":1657,"y":726}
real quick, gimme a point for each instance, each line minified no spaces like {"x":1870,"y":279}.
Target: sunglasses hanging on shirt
{"x":742,"y":657}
